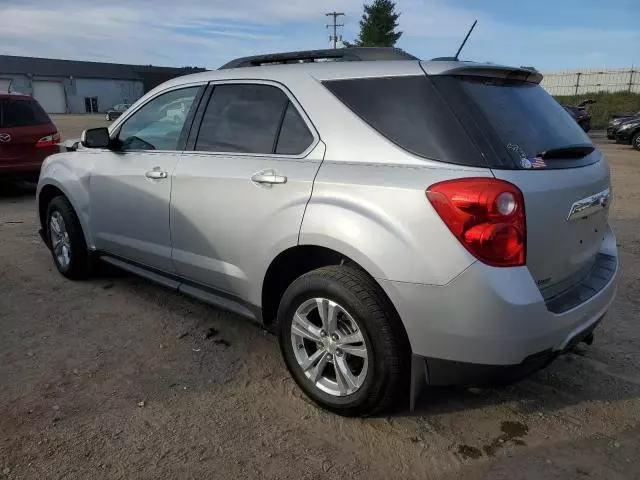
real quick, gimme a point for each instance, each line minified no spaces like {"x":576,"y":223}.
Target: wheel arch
{"x":48,"y":192}
{"x":296,"y":261}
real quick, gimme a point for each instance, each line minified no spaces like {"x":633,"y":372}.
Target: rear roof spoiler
{"x":342,"y":55}
{"x":481,"y":70}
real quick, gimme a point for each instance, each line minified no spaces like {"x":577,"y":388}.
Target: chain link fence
{"x":577,"y":82}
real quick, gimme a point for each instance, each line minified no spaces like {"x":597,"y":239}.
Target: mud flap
{"x":419,"y":378}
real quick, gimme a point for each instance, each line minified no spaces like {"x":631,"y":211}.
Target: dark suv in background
{"x":27,"y":137}
{"x":629,"y":132}
{"x":616,"y":122}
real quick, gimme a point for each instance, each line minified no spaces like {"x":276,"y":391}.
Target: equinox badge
{"x":587,"y":206}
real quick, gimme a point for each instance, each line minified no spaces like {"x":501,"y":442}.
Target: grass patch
{"x":607,"y":104}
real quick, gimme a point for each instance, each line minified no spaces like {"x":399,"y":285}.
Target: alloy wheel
{"x":329,"y":347}
{"x":60,"y":242}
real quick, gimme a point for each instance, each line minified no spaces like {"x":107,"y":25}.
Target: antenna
{"x":465,"y":39}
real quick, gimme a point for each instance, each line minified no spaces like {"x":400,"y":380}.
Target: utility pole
{"x":335,"y":25}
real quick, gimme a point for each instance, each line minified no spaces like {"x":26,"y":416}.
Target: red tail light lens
{"x":48,"y":141}
{"x":486,"y":215}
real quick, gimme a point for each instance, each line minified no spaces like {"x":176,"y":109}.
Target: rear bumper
{"x":450,"y":372}
{"x":487,"y":318}
{"x":29,"y":165}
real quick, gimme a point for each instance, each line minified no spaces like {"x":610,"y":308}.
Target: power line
{"x":334,"y":38}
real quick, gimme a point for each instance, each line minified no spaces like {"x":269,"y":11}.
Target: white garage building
{"x":69,"y":86}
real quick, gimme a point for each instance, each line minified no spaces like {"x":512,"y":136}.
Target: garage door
{"x":50,"y":95}
{"x":4,"y":85}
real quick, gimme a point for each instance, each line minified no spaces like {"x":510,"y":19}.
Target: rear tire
{"x":364,"y":362}
{"x":635,"y":141}
{"x":66,"y":240}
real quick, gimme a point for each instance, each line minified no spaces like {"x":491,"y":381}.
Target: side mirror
{"x":95,"y":138}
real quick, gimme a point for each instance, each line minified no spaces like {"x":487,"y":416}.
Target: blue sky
{"x":548,"y":34}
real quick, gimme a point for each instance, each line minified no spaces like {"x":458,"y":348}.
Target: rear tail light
{"x":486,"y":215}
{"x":48,"y":141}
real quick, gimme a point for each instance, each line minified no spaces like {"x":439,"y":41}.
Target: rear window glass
{"x":22,"y":113}
{"x":410,"y":112}
{"x":525,"y":117}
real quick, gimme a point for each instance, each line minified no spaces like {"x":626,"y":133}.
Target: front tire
{"x":343,"y":342}
{"x":635,"y":141}
{"x":66,"y":240}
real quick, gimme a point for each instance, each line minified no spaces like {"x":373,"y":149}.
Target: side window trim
{"x":276,"y":137}
{"x":194,"y":131}
{"x":293,"y":101}
{"x":114,"y":132}
{"x":188,"y":122}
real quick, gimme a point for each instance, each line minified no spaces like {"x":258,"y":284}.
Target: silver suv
{"x":397,"y":222}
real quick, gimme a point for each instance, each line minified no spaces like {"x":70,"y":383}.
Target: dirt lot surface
{"x":119,"y":378}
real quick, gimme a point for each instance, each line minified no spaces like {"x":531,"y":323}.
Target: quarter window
{"x":248,"y":118}
{"x":294,"y":136}
{"x":158,"y":124}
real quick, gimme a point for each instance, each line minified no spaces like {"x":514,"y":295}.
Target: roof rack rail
{"x":309,"y":56}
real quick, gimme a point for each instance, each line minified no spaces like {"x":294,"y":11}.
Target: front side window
{"x":246,"y":118}
{"x":159,"y":123}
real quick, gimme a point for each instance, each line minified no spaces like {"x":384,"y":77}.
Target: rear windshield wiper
{"x":570,"y":151}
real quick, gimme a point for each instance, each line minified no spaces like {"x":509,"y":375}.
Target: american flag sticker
{"x":538,"y":162}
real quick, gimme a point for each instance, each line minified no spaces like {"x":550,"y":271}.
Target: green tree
{"x":378,"y":25}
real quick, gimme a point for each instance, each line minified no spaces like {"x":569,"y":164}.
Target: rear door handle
{"x":268,"y":177}
{"x":156,"y":174}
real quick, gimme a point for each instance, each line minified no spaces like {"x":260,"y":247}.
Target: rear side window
{"x":252,"y":118}
{"x":21,"y":113}
{"x":411,"y":113}
{"x":242,"y":118}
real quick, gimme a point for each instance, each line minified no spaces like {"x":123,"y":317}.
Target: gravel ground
{"x":119,"y":378}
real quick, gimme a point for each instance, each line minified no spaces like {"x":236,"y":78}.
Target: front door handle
{"x":156,"y":174}
{"x":268,"y":177}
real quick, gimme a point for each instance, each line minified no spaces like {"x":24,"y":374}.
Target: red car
{"x":27,"y":137}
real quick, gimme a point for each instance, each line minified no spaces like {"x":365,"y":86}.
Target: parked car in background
{"x":581,"y":115}
{"x":629,"y":132}
{"x":27,"y":137}
{"x":616,"y":121}
{"x":395,"y":222}
{"x":117,"y":110}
